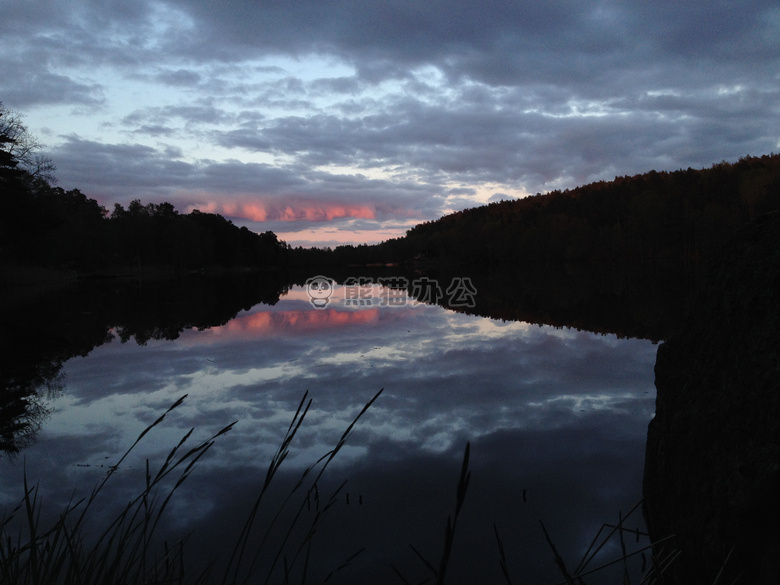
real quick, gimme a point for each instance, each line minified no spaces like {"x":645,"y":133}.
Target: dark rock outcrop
{"x":712,"y":469}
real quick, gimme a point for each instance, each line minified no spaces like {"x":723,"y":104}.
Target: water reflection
{"x":43,"y":330}
{"x":556,"y":418}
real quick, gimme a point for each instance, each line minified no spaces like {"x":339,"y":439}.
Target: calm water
{"x":557,"y":420}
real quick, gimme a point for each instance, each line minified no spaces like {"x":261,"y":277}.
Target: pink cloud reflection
{"x":278,"y":323}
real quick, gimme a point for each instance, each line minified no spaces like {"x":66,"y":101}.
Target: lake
{"x":556,"y":419}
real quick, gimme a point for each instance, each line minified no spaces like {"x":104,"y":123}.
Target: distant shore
{"x":17,"y":275}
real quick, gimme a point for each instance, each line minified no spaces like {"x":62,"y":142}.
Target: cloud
{"x":252,"y":191}
{"x":286,"y":211}
{"x":396,"y":103}
{"x":47,"y":88}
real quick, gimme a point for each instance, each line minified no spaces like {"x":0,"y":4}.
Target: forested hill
{"x":660,"y":218}
{"x":657,"y":217}
{"x":46,"y":228}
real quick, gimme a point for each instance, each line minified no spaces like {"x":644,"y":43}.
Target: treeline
{"x":49,"y":227}
{"x":46,"y":226}
{"x":658,"y":218}
{"x":157,"y":234}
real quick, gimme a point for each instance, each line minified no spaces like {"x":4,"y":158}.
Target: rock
{"x":712,"y":468}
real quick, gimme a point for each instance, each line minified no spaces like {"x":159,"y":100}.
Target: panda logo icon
{"x":319,"y":289}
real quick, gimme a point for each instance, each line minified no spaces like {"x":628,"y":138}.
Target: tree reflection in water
{"x":44,"y":328}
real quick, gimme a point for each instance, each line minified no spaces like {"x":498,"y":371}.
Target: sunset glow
{"x":298,"y":116}
{"x":303,"y":211}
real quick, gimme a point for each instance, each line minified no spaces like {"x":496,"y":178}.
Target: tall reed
{"x":439,"y":572}
{"x":124,"y":552}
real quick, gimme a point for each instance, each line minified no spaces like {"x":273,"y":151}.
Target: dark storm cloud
{"x":123,"y":172}
{"x":510,"y":139}
{"x":128,"y":170}
{"x":179,"y":77}
{"x":191,"y":114}
{"x":571,"y":45}
{"x":80,"y":34}
{"x":502,"y":42}
{"x":48,"y":88}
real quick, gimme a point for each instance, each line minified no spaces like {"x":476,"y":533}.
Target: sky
{"x":336,"y":121}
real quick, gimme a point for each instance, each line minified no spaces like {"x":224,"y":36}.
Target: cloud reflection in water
{"x":557,"y":412}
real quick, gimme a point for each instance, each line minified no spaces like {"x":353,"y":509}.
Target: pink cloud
{"x":299,"y":210}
